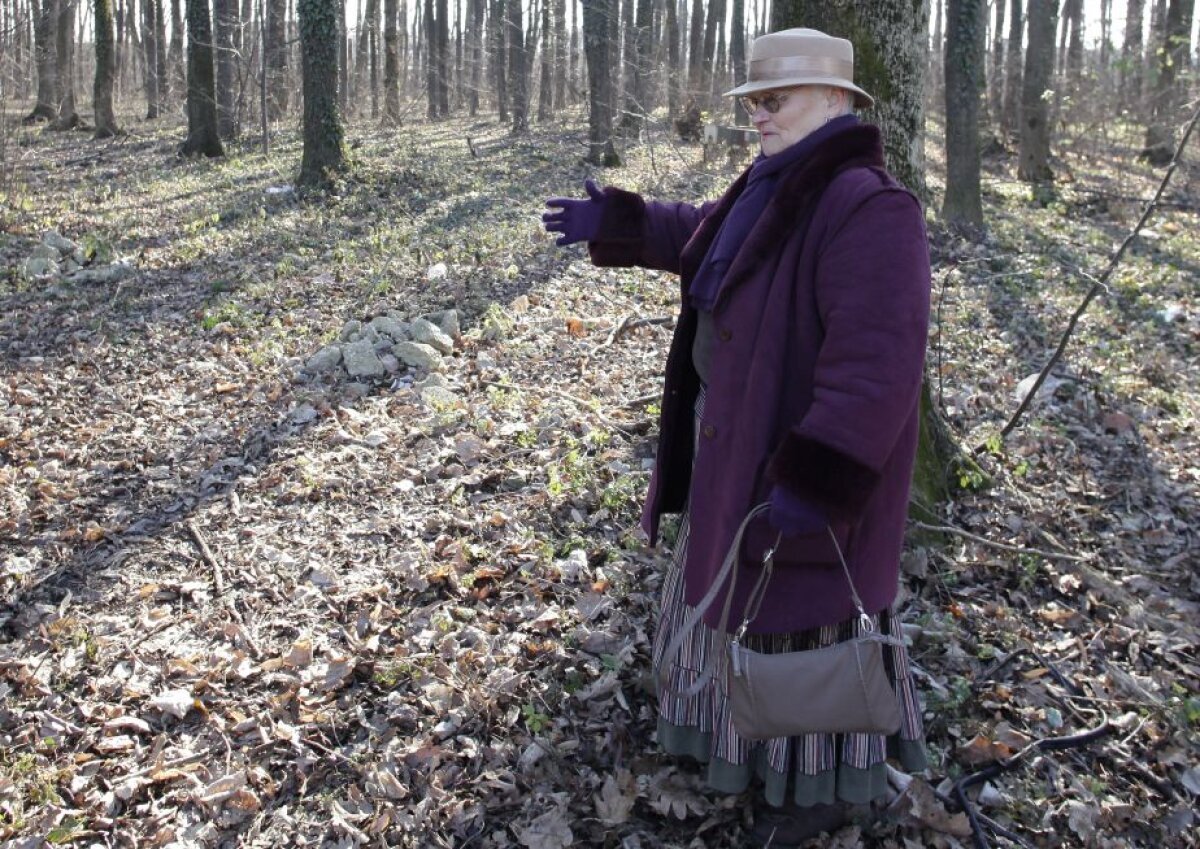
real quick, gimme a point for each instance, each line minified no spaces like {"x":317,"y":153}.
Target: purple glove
{"x":792,"y":515}
{"x":576,"y":220}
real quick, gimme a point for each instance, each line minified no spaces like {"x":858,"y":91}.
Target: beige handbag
{"x":839,"y":689}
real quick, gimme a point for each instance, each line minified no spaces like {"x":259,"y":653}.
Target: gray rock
{"x":429,"y":333}
{"x":59,"y":242}
{"x":326,"y":359}
{"x":439,"y":396}
{"x":39,"y":266}
{"x":390,"y":363}
{"x":104,"y":274}
{"x":448,"y":321}
{"x":361,"y":360}
{"x":69,"y":266}
{"x":350,"y":331}
{"x":387,"y":326}
{"x":44,"y":252}
{"x":418,"y":355}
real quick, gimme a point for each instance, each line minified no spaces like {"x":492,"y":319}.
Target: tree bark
{"x":674,"y":60}
{"x":475,"y":44}
{"x":202,"y":137}
{"x":518,"y":79}
{"x":1010,"y":122}
{"x":442,"y":31}
{"x":1034,"y":155}
{"x":696,"y":50}
{"x":546,"y":82}
{"x":737,"y":51}
{"x":1173,"y":58}
{"x":225,"y":22}
{"x":391,"y":64}
{"x":498,"y":38}
{"x":965,"y":50}
{"x":1131,"y":55}
{"x":889,"y":38}
{"x":562,"y":65}
{"x":1073,"y":12}
{"x":995,"y":84}
{"x":176,"y":80}
{"x":324,"y":149}
{"x":638,"y":71}
{"x":44,"y":19}
{"x":596,"y":45}
{"x":102,"y":89}
{"x":277,"y":59}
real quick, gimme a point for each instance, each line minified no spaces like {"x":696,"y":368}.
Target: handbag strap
{"x":753,"y":603}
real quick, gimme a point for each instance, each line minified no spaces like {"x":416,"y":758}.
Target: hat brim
{"x":862,"y":100}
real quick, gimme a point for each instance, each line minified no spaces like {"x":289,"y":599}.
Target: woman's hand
{"x":576,"y":220}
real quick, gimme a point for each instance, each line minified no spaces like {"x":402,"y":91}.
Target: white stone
{"x":418,"y":355}
{"x":325,"y":359}
{"x":437,"y":271}
{"x":439,"y":396}
{"x":448,"y":321}
{"x":59,"y":242}
{"x":361,"y":360}
{"x":426,"y":331}
{"x":104,"y":274}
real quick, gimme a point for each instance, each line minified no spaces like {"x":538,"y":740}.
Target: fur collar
{"x":796,"y":194}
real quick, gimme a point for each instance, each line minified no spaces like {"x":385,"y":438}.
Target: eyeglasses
{"x":772,"y":101}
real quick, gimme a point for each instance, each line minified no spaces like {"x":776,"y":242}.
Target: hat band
{"x":765,"y":70}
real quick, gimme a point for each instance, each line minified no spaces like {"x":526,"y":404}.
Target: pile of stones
{"x":58,"y":256}
{"x":387,"y":344}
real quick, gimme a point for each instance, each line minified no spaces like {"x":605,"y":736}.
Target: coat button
{"x":709,"y":431}
{"x":726,"y":334}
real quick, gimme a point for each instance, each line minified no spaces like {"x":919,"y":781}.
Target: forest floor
{"x":246,"y":605}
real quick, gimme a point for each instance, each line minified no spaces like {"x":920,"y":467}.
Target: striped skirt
{"x":809,"y":769}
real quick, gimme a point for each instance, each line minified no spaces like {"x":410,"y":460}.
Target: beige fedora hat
{"x":794,"y":57}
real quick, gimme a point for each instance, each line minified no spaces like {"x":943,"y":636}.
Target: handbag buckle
{"x":865,"y":625}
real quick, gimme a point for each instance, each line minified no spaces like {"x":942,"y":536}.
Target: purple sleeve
{"x":872,"y":292}
{"x":650,"y":234}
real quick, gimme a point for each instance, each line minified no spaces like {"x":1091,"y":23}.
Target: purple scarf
{"x":764,"y":173}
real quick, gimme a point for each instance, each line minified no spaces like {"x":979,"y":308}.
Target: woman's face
{"x":806,"y":107}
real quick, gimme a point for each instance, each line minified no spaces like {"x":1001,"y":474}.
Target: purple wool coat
{"x":814,"y":383}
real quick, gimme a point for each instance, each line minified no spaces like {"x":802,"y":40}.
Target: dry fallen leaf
{"x":920,"y":803}
{"x":615,"y":800}
{"x":551,"y":830}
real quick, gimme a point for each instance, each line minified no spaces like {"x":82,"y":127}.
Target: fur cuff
{"x":618,"y":242}
{"x":830,"y":479}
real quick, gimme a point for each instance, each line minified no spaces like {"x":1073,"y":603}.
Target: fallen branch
{"x":1098,"y":284}
{"x":1020,"y":549}
{"x":207,"y":555}
{"x":627,"y":324}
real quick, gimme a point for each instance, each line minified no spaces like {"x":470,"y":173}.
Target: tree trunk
{"x":162,"y":74}
{"x":546,"y":83}
{"x":362,"y":52}
{"x":475,"y":44}
{"x":176,"y":80}
{"x":674,"y":60}
{"x":102,"y":90}
{"x":1073,"y":11}
{"x":149,"y":62}
{"x":498,"y":37}
{"x":737,"y":51}
{"x":1105,"y":34}
{"x":277,"y":59}
{"x":597,"y":46}
{"x":889,"y":62}
{"x":1034,"y":156}
{"x":518,"y":79}
{"x":637,"y":67}
{"x":1011,"y":120}
{"x":64,"y":39}
{"x":965,"y":45}
{"x":1173,"y":58}
{"x":46,"y":107}
{"x":391,"y":64}
{"x":562,"y":67}
{"x":995,"y":85}
{"x":443,"y":57}
{"x":201,"y":91}
{"x":324,"y":153}
{"x":1131,"y":55}
{"x":708,"y":62}
{"x":225,"y":23}
{"x":696,"y":50}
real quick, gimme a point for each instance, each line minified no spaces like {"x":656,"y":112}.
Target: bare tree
{"x":1131,"y":54}
{"x":518,"y":79}
{"x":225,"y":23}
{"x":202,"y":134}
{"x":696,"y":49}
{"x":175,"y":78}
{"x":965,"y":50}
{"x":277,"y":59}
{"x":1172,"y":58}
{"x":597,"y":46}
{"x":391,"y":64}
{"x":1011,"y":116}
{"x":324,"y":140}
{"x":498,"y":40}
{"x":102,"y":89}
{"x":995,"y":85}
{"x":737,"y":51}
{"x":44,"y":19}
{"x":1034,"y":156}
{"x":561,"y":63}
{"x":64,"y":38}
{"x":546,"y":64}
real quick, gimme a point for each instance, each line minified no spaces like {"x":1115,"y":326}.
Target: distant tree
{"x":498,"y":42}
{"x":562,"y":65}
{"x":965,"y":44}
{"x":696,"y":49}
{"x":737,"y":53}
{"x":102,"y":89}
{"x":324,"y":148}
{"x":1034,"y":156}
{"x":1131,"y":54}
{"x":638,"y":52}
{"x":442,"y":31}
{"x":995,"y":84}
{"x":150,"y":84}
{"x":518,"y":77}
{"x":277,"y":59}
{"x":546,"y":66}
{"x":202,"y":137}
{"x":64,"y":38}
{"x":44,"y":18}
{"x":596,"y":45}
{"x":1011,"y":114}
{"x":175,"y":78}
{"x":477,"y":13}
{"x":1172,"y":59}
{"x":225,"y":22}
{"x":391,"y":64}
{"x":889,"y":38}
{"x":1073,"y":23}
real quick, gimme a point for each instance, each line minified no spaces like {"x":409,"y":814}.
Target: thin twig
{"x":207,"y":555}
{"x":1020,"y":549}
{"x":1099,"y":284}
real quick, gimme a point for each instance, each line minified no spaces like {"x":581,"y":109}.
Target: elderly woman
{"x":792,"y":380}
